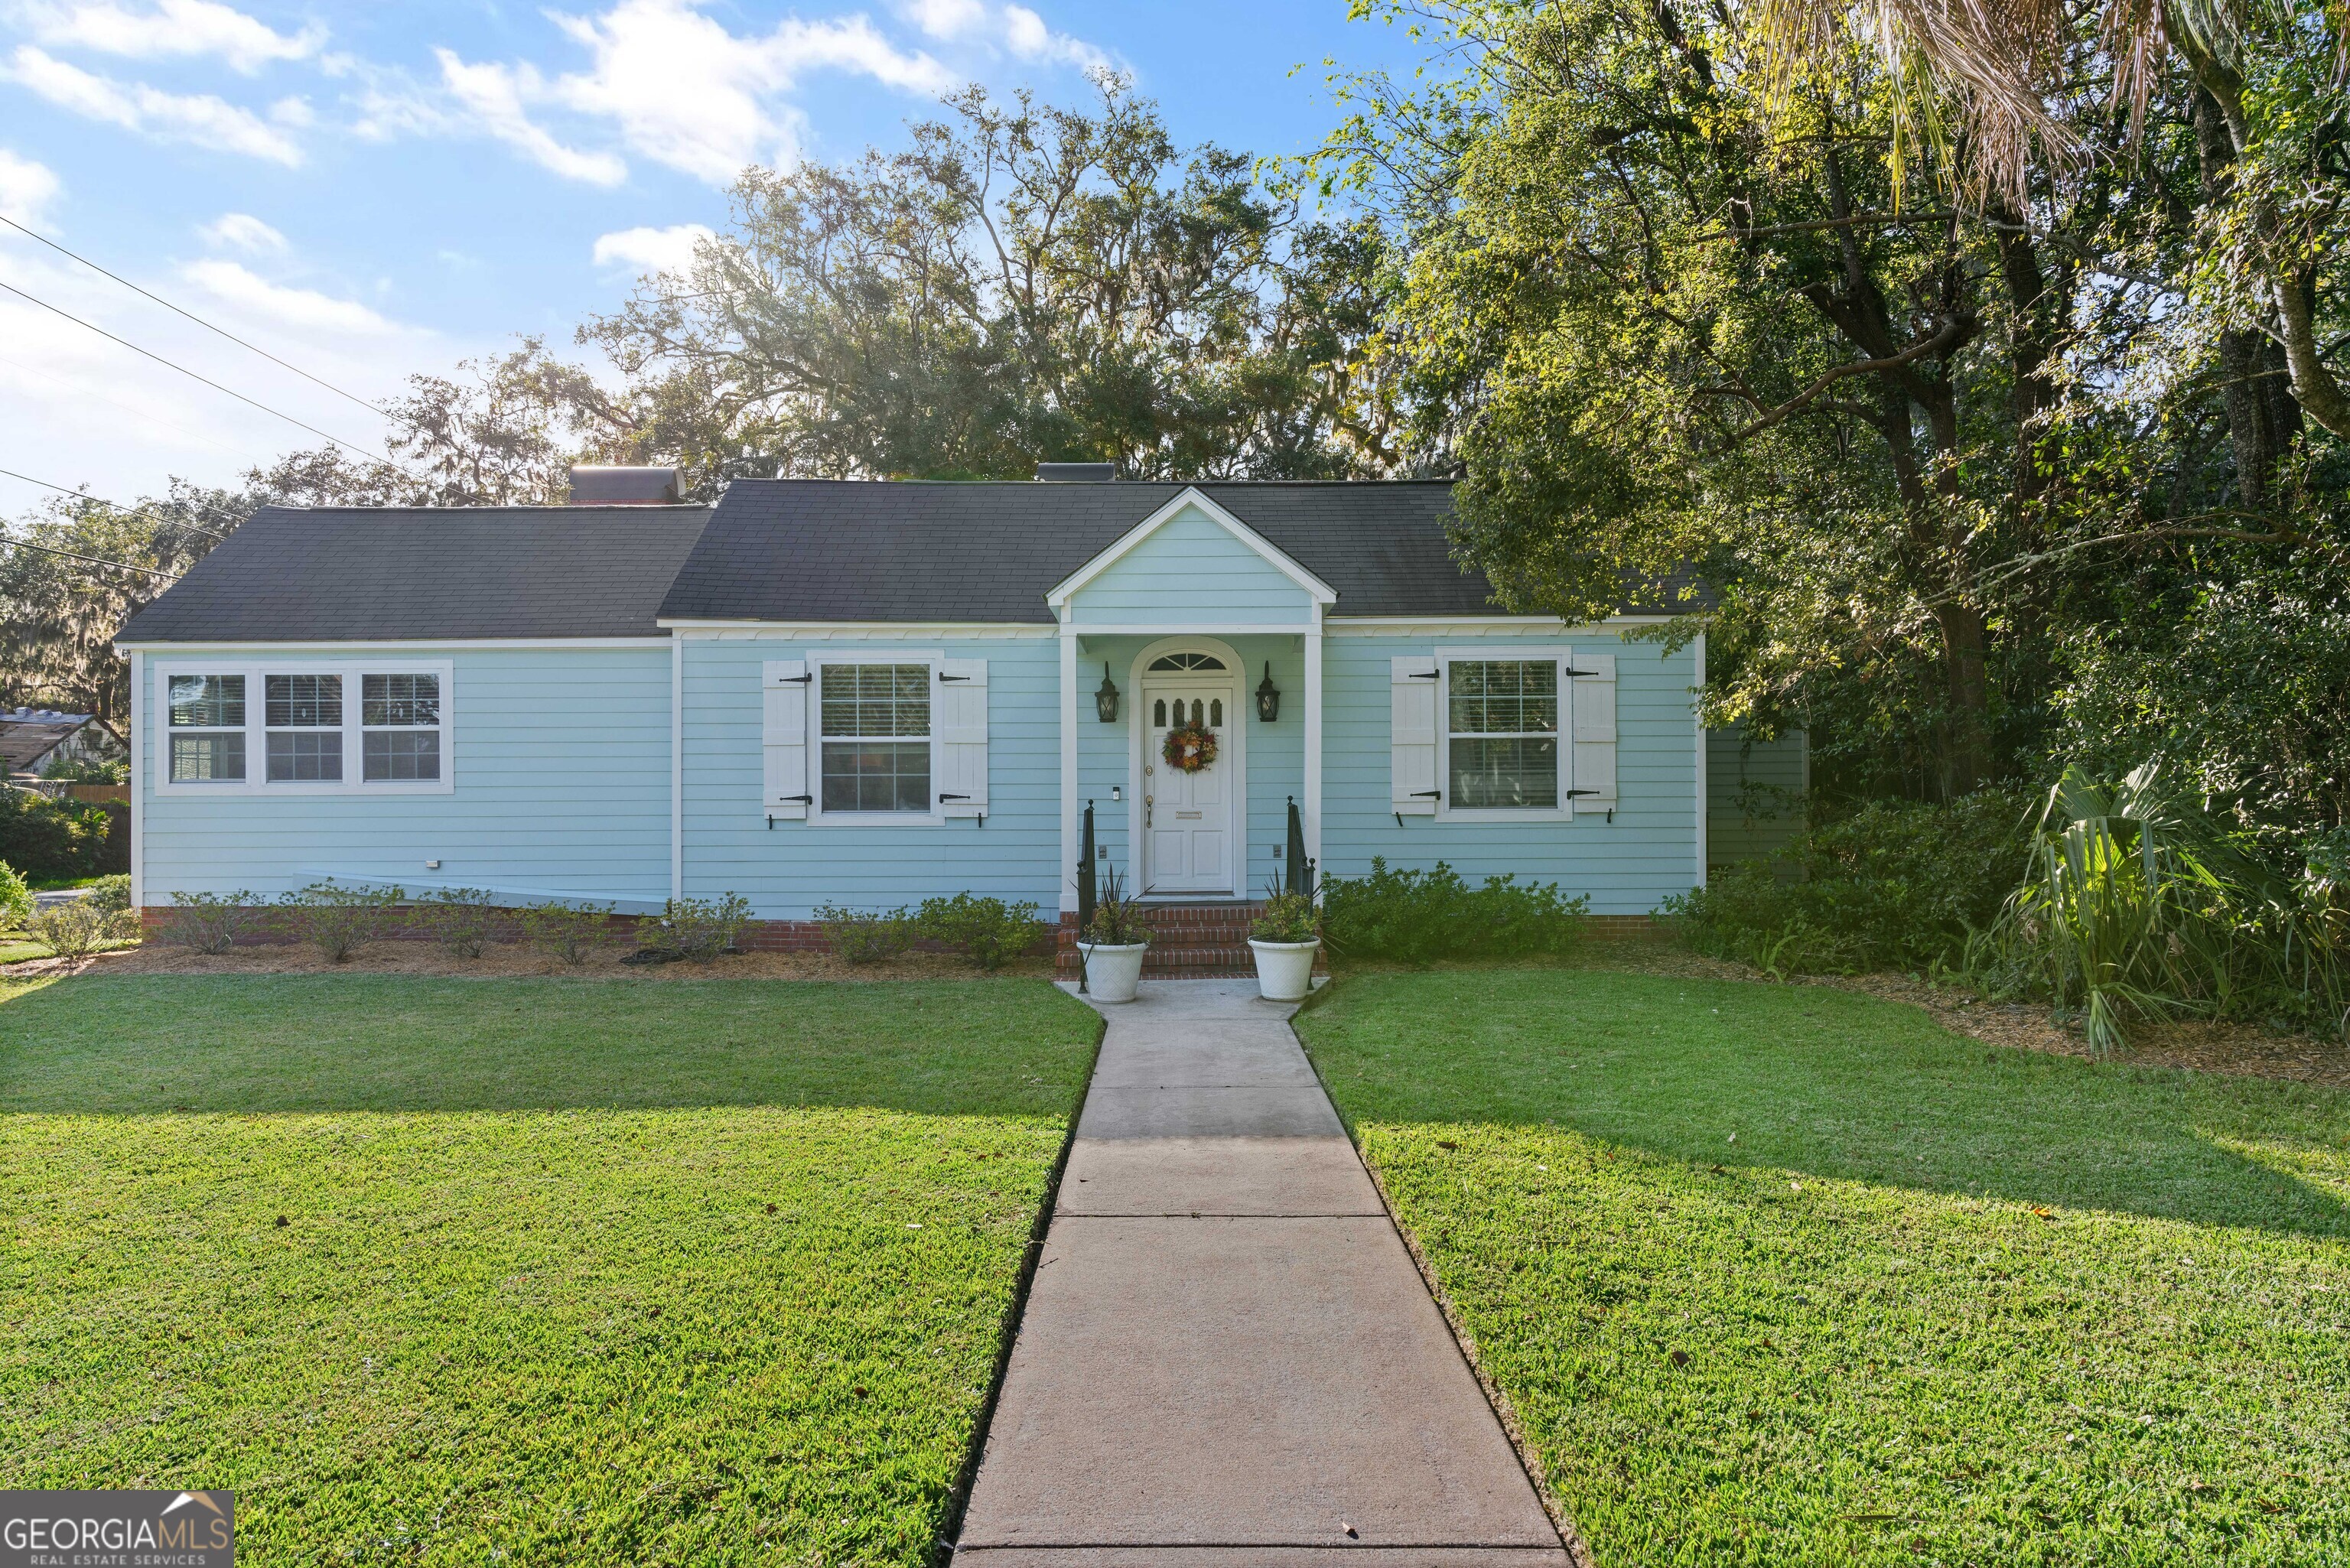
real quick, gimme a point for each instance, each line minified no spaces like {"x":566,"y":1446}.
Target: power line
{"x":182,"y":369}
{"x":102,"y":500}
{"x":192,"y":316}
{"x":93,"y":560}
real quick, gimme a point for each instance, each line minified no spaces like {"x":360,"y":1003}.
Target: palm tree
{"x":1989,"y":76}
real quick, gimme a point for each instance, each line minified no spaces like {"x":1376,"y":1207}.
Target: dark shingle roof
{"x":816,"y":550}
{"x":368,"y":574}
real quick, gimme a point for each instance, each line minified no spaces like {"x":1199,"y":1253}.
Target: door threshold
{"x":1190,"y":898}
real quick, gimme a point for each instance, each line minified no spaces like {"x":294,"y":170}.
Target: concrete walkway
{"x":1227,"y":1355}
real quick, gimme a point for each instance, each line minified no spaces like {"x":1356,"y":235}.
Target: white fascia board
{"x":1488,"y":625}
{"x":413,"y":645}
{"x":1095,"y":631}
{"x":844,"y":631}
{"x":1279,"y":559}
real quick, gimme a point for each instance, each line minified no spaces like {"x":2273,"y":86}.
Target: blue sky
{"x":373,"y":190}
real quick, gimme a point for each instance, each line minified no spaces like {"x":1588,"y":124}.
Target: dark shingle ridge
{"x":857,"y":550}
{"x":787,"y":550}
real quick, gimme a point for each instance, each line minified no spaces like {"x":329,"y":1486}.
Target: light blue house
{"x":872,"y":694}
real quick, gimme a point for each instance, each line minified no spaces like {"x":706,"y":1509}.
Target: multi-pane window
{"x":304,"y":717}
{"x":1501,"y":733}
{"x":875,"y":730}
{"x":304,"y":731}
{"x":207,"y":724}
{"x":400,"y":718}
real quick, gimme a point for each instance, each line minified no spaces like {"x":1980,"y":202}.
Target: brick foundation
{"x":1195,"y":940}
{"x":268,"y":929}
{"x":1613,"y":926}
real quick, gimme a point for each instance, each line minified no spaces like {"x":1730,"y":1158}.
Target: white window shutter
{"x":784,"y":722}
{"x":1411,"y":739}
{"x":1592,"y":695}
{"x":960,"y":714}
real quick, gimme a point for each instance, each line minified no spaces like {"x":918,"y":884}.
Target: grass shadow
{"x":149,"y":1046}
{"x":1839,"y":1085}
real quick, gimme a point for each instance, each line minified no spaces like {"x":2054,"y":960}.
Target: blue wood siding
{"x":1193,"y":568}
{"x":562,"y":767}
{"x":1626,"y":865}
{"x":785,"y":871}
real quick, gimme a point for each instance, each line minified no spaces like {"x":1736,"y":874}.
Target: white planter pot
{"x":1285,"y":970}
{"x":1112,"y":973}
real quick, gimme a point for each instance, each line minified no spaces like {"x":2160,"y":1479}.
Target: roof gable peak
{"x":1190,"y":497}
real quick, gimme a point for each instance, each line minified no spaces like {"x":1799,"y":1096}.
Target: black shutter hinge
{"x":797,"y":679}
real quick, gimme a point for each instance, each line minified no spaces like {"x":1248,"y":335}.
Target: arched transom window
{"x":1182,"y":661}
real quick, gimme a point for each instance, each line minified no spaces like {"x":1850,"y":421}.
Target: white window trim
{"x":1563,"y":659}
{"x":256,"y":781}
{"x":818,"y":657}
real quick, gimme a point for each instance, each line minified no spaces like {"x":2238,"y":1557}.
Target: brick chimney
{"x":594,"y":486}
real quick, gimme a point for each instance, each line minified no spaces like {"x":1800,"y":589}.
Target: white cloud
{"x":679,"y":88}
{"x":167,"y":27}
{"x":495,"y":95}
{"x":81,"y":409}
{"x":1027,"y":35}
{"x":296,"y":307}
{"x":27,"y":189}
{"x":650,"y":249}
{"x":947,"y":19}
{"x":243,"y":231}
{"x":196,"y":117}
{"x":1013,"y":29}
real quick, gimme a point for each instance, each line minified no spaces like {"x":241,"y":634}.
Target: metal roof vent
{"x":1076,"y":472}
{"x":598,"y":486}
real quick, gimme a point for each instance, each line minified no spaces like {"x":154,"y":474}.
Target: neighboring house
{"x":34,"y":739}
{"x":871,"y":693}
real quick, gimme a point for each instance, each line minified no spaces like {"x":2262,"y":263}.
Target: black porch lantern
{"x":1106,"y":698}
{"x":1268,"y":696}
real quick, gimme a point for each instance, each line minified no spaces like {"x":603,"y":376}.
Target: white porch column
{"x":1066,"y":875}
{"x":1313,"y":802}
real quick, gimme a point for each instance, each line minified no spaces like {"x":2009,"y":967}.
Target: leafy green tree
{"x":1024,"y":283}
{"x":1681,"y":319}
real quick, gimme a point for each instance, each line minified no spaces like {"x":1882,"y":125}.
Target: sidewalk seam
{"x":1463,"y":1341}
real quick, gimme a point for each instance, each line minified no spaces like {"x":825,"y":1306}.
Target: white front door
{"x":1187,"y":817}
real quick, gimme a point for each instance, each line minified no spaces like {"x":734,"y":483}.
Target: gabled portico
{"x":1183,"y":608}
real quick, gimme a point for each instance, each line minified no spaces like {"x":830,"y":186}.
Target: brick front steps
{"x":1188,"y":941}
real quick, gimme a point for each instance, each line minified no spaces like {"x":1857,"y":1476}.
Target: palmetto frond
{"x":1990,"y":75}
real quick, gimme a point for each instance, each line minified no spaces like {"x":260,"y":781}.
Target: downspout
{"x":676,"y":764}
{"x":138,"y":782}
{"x":1697,"y":693}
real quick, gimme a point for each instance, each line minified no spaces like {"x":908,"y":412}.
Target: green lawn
{"x":1936,"y":1303}
{"x":522,"y":1271}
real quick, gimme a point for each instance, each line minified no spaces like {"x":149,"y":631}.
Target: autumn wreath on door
{"x":1189,"y":748}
